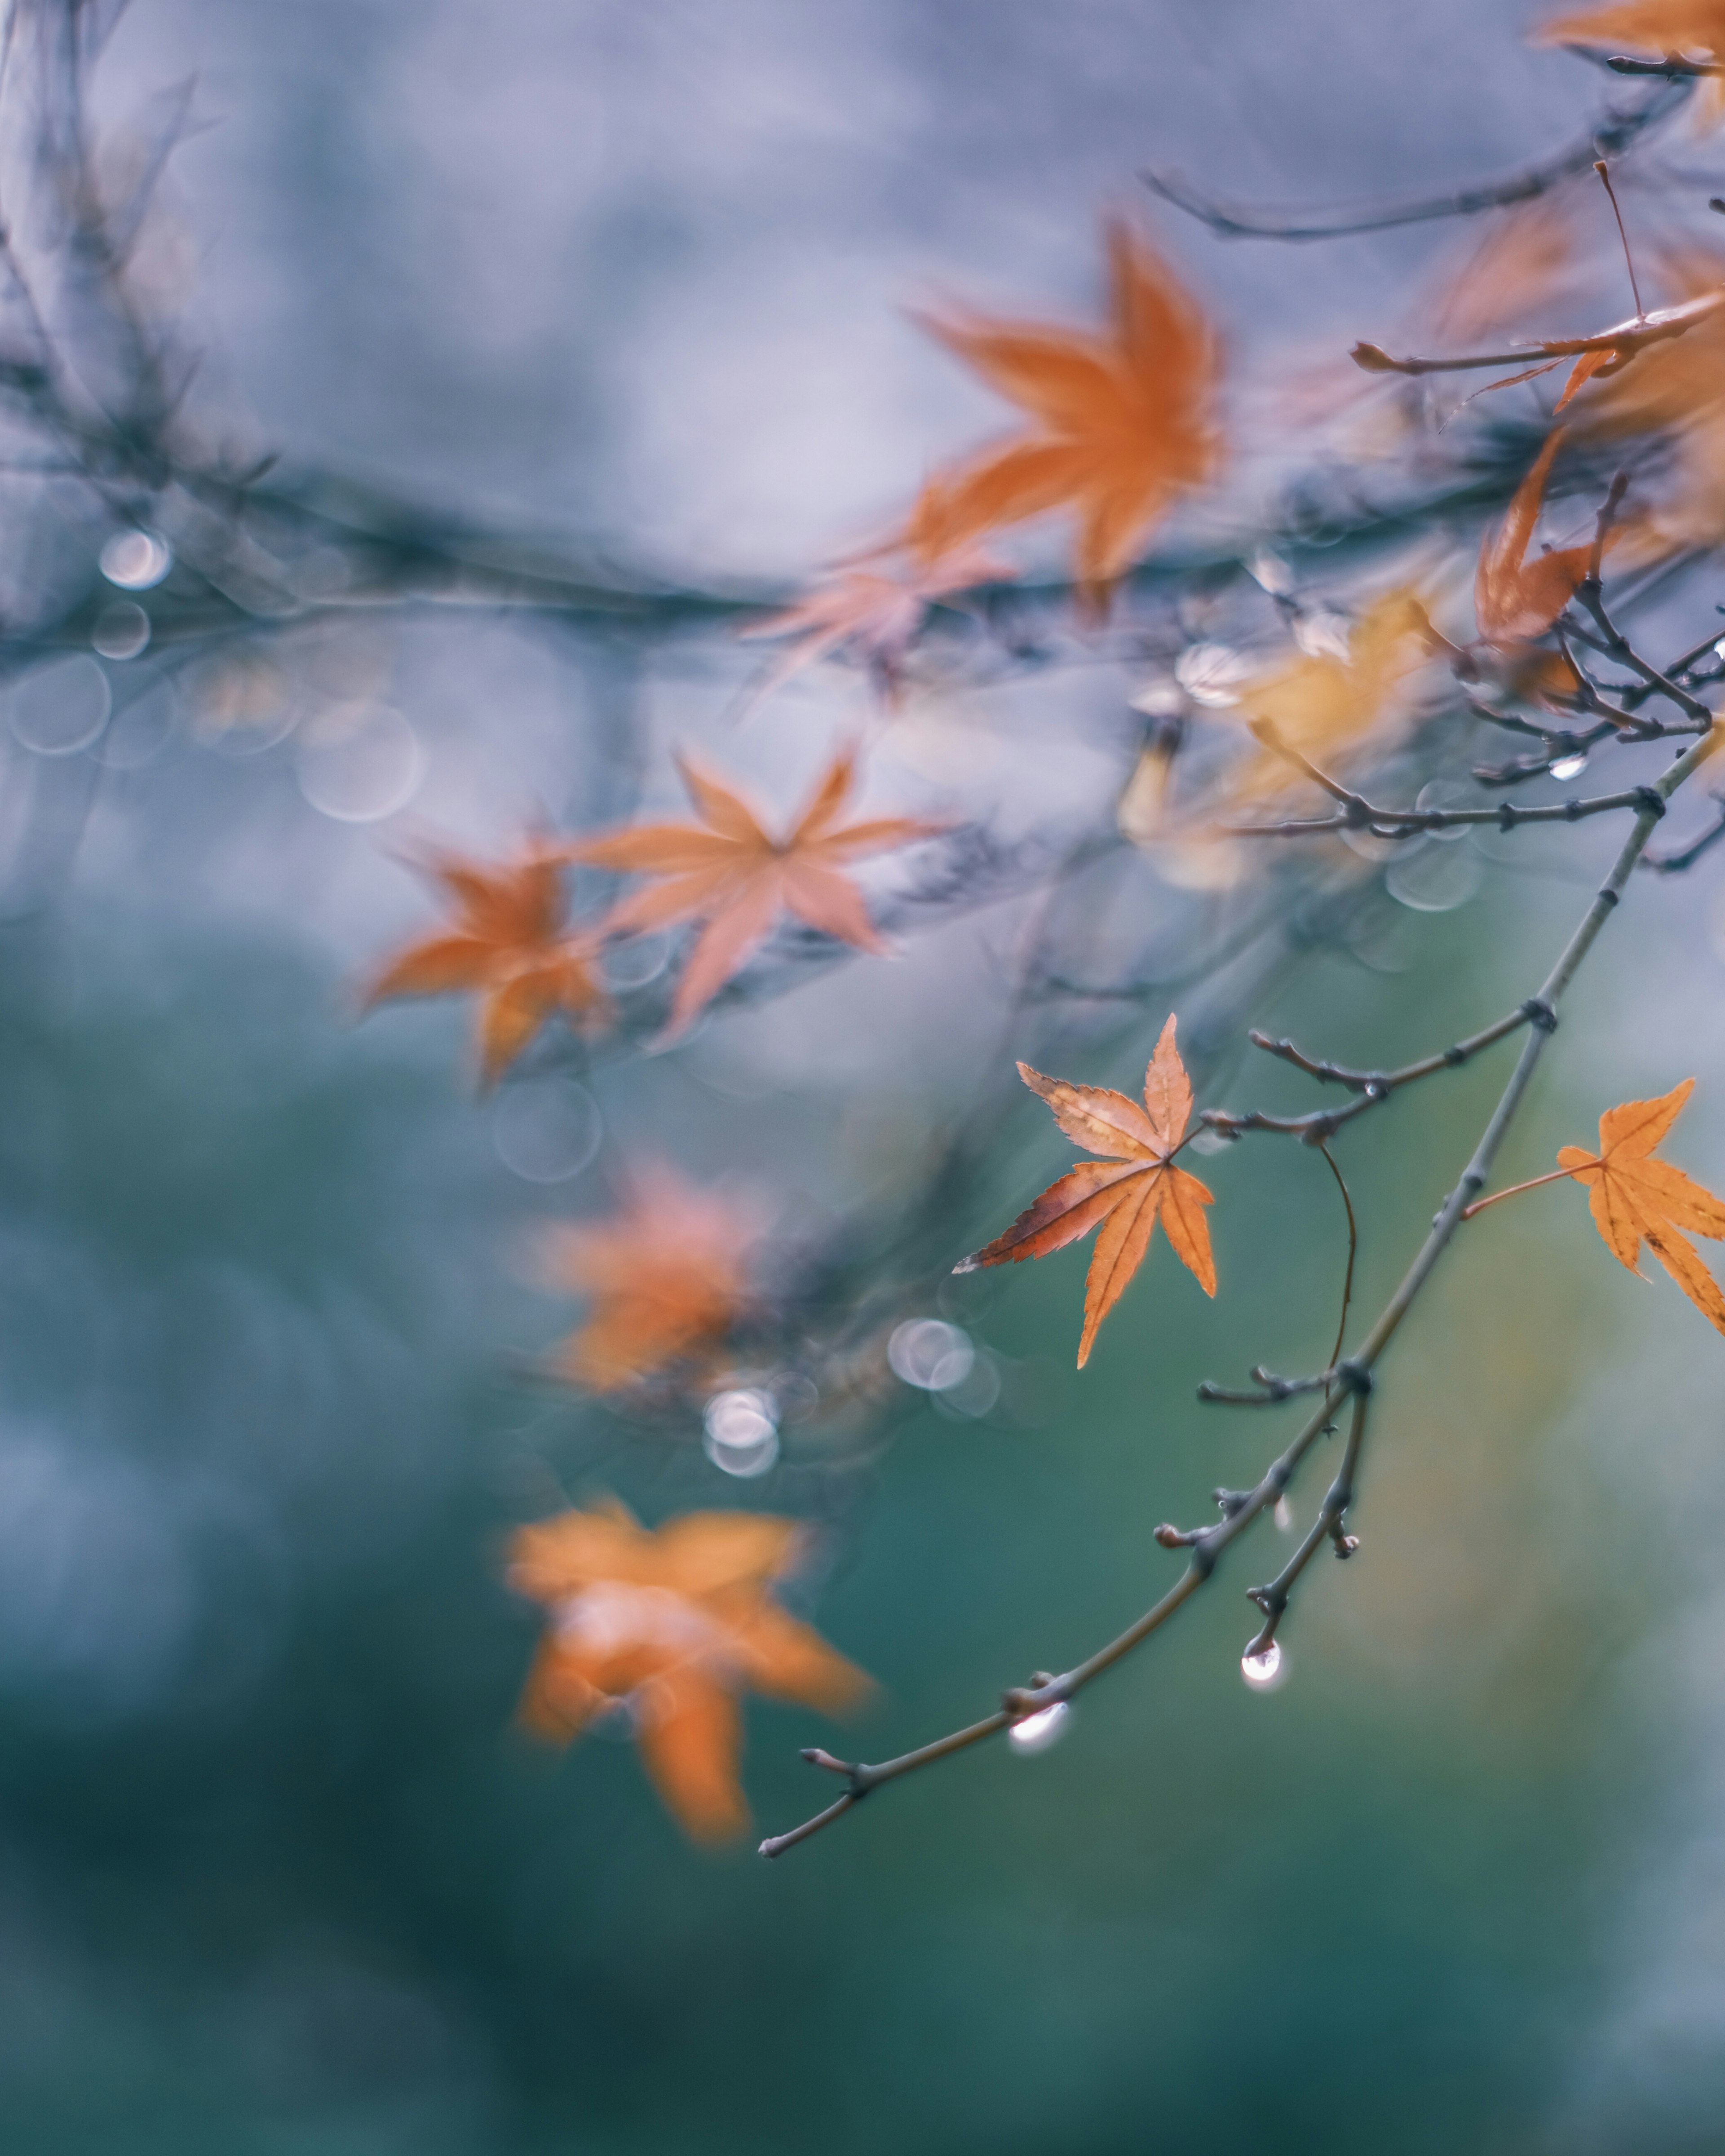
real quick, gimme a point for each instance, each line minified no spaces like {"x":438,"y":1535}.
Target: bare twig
{"x":1616,"y":131}
{"x":1354,"y":1377}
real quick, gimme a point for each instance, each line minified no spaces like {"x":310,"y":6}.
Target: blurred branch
{"x":1614,"y":133}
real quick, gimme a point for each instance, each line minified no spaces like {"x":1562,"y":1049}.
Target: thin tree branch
{"x":1353,"y":1377}
{"x":1616,"y":131}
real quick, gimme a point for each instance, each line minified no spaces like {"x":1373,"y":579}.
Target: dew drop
{"x":1284,"y":1515}
{"x":121,"y":630}
{"x":1569,"y":766}
{"x":359,"y":762}
{"x":931,"y":1354}
{"x":1160,"y":699}
{"x":136,"y":560}
{"x":1447,"y":793}
{"x":1210,"y":674}
{"x":546,"y":1130}
{"x":60,"y":708}
{"x":1263,"y":1672}
{"x":637,"y":960}
{"x":741,"y":1433}
{"x":1037,"y":1731}
{"x":1435,"y":880}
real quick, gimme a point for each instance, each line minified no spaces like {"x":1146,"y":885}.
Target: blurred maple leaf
{"x":1693,"y":30}
{"x":670,"y":1628}
{"x":1121,"y":422}
{"x":733,"y":878}
{"x":1125,"y":1192}
{"x":1678,"y":392}
{"x":511,"y":944}
{"x":668,"y":1273}
{"x":1324,"y":705}
{"x":1515,"y":599}
{"x":1636,"y":1198}
{"x":879,"y":612}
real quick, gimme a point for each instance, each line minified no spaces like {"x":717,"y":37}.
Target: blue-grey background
{"x":275,"y":1878}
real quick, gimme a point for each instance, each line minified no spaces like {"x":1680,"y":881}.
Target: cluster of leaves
{"x":1276,"y":663}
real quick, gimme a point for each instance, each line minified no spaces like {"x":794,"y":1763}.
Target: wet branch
{"x":1353,"y":1377}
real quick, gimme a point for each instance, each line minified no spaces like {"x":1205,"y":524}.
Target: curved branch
{"x":1616,"y":131}
{"x":1352,"y":1377}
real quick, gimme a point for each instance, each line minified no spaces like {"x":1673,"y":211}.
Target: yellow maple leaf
{"x":1325,"y":706}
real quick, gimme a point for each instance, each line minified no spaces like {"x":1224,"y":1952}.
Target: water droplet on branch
{"x":1037,"y":1731}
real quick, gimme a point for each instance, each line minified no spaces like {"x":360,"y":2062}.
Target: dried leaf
{"x":1636,"y":1198}
{"x":668,"y":1274}
{"x":1324,"y":706}
{"x":1122,"y":421}
{"x":511,"y":944}
{"x":1125,"y":1192}
{"x":737,"y":882}
{"x":668,"y":1628}
{"x":1515,"y":599}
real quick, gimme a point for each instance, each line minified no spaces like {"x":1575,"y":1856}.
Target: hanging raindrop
{"x":1263,"y":1672}
{"x":1037,"y":1731}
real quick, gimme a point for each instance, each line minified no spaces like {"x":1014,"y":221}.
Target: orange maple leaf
{"x":1133,"y":1184}
{"x":735,"y":880}
{"x":667,"y":1273}
{"x":511,"y":944}
{"x":1515,"y":599}
{"x":1121,"y":422}
{"x":1636,"y":1198}
{"x":668,"y":1628}
{"x":1694,"y":30}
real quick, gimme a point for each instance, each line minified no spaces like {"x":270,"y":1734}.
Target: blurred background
{"x":276,"y":1877}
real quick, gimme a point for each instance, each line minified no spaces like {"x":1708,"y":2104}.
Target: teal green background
{"x":278,"y":1877}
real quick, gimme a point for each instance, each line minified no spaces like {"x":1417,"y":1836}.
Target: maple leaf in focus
{"x":1324,"y":706}
{"x":1120,"y":421}
{"x":1134,"y":1184}
{"x":667,"y":1275}
{"x":1693,"y":30}
{"x":670,"y":1628}
{"x":510,"y":944}
{"x":1516,"y":599}
{"x":727,"y":874}
{"x":879,"y":612}
{"x":1636,"y":1198}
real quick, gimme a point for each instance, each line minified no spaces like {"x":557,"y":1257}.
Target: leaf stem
{"x":1515,"y":1190}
